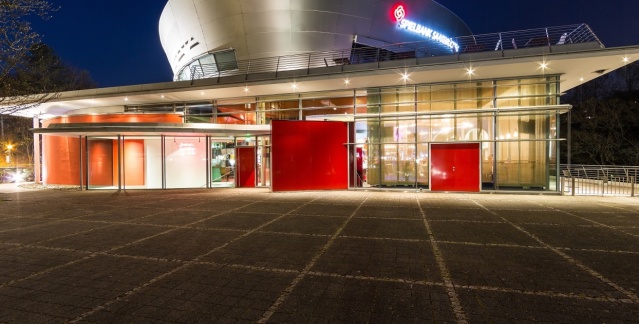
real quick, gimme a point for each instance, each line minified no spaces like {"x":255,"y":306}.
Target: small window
{"x":194,"y":44}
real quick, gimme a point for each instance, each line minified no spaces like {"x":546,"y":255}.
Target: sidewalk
{"x":248,"y":255}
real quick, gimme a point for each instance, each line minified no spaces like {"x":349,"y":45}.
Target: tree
{"x":17,"y":38}
{"x":45,"y":72}
{"x":605,"y":119}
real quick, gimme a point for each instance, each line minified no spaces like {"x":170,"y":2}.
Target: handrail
{"x":503,"y":41}
{"x":598,"y":172}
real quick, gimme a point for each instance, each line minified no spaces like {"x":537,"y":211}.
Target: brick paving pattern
{"x":248,"y":255}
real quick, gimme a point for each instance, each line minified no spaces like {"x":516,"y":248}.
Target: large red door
{"x":454,"y":167}
{"x":245,"y":168}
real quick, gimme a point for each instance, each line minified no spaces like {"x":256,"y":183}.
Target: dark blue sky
{"x":117,"y":40}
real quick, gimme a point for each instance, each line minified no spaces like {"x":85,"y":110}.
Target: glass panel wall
{"x":185,"y":162}
{"x":222,"y":163}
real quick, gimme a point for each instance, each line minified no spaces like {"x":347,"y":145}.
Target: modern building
{"x":307,"y":95}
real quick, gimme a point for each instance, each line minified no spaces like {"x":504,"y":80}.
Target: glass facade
{"x":513,"y":120}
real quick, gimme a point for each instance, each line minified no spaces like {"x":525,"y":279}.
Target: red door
{"x":245,"y":168}
{"x":454,"y":167}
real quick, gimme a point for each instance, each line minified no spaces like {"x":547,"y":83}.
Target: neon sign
{"x":400,"y":15}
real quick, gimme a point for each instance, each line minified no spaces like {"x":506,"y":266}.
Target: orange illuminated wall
{"x":309,"y":155}
{"x":61,"y":154}
{"x":61,"y":160}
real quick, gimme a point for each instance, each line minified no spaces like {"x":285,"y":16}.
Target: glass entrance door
{"x":222,"y":163}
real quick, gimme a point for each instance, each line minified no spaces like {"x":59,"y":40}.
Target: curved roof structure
{"x":214,"y":31}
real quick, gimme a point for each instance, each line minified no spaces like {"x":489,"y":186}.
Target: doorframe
{"x":430,"y":162}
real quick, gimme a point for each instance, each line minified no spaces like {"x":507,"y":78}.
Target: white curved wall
{"x":267,"y":28}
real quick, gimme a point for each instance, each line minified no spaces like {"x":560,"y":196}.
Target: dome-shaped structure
{"x":220,"y":32}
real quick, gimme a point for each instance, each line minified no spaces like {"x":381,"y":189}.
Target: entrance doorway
{"x":455,"y":167}
{"x":245,"y":166}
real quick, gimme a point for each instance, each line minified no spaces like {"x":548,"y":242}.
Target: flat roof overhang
{"x":574,"y":63}
{"x":154,"y":129}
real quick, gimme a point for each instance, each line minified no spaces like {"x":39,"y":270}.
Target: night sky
{"x":117,"y":41}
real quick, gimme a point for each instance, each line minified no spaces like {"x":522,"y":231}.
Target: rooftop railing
{"x":529,"y":38}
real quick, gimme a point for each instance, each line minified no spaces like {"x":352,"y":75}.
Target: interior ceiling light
{"x":543,"y":65}
{"x":405,"y":76}
{"x":626,"y":59}
{"x":347,"y":81}
{"x":246,"y":89}
{"x":470,"y":71}
{"x":581,"y":79}
{"x":294,"y":85}
{"x":126,"y":98}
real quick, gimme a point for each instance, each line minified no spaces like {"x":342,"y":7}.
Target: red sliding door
{"x":455,"y":167}
{"x":309,"y":155}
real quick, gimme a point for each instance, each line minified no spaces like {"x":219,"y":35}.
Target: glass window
{"x":185,"y":162}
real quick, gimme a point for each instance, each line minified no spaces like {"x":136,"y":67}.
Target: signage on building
{"x":399,"y":12}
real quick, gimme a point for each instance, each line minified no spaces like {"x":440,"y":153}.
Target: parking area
{"x":248,"y":255}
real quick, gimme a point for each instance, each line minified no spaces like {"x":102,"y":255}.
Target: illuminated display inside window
{"x":400,"y":15}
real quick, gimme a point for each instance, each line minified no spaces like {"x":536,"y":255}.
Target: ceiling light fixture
{"x":347,"y":81}
{"x":626,"y":59}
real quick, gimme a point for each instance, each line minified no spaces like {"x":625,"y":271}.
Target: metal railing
{"x":529,"y":38}
{"x":600,"y":180}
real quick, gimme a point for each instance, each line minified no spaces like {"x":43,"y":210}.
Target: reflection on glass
{"x":185,"y":162}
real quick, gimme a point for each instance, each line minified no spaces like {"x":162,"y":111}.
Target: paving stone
{"x":304,"y":224}
{"x":205,"y":293}
{"x":172,"y":218}
{"x":386,"y":228}
{"x":99,"y":239}
{"x":237,"y":220}
{"x":388,"y":212}
{"x":500,"y":307}
{"x":540,"y":216}
{"x":521,"y":269}
{"x":179,"y":244}
{"x":611,"y":218}
{"x":21,"y":262}
{"x":464,"y":214}
{"x":380,"y":258}
{"x":69,"y":291}
{"x":326,"y":210}
{"x":57,"y":260}
{"x":578,"y":237}
{"x":270,"y":207}
{"x":494,"y":233}
{"x":330,"y":299}
{"x":620,"y":268}
{"x":269,"y":250}
{"x":47,"y":231}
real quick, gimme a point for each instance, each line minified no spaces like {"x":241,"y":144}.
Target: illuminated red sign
{"x":399,"y":13}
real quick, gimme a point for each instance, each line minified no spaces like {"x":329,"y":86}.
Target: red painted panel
{"x":245,"y":169}
{"x":309,"y":155}
{"x":134,"y":162}
{"x":101,"y":158}
{"x":61,"y":160}
{"x":455,"y":167}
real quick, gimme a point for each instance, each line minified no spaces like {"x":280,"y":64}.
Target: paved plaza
{"x":248,"y":255}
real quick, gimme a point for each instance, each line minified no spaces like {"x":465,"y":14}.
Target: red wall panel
{"x":61,"y":155}
{"x":245,"y":172}
{"x":101,"y":162}
{"x":61,"y":160}
{"x":309,"y":155}
{"x":455,"y":167}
